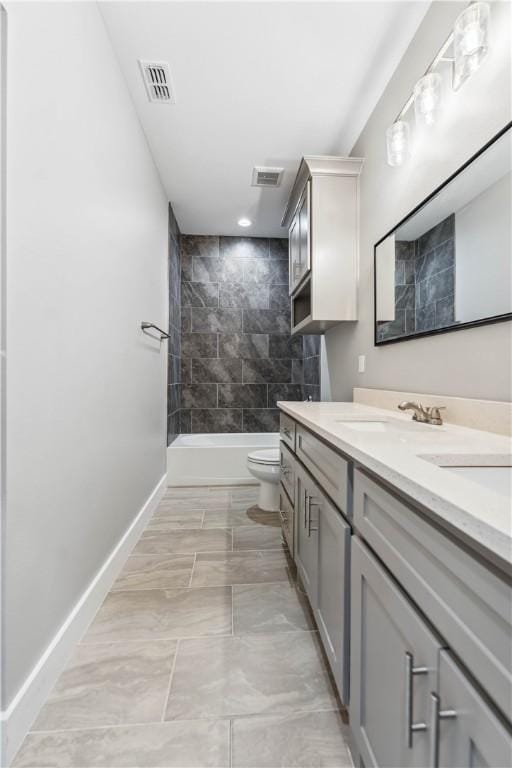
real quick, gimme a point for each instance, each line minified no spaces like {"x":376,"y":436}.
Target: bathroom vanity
{"x":407,"y":564}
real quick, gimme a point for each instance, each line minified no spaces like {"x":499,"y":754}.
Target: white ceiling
{"x":256,"y":83}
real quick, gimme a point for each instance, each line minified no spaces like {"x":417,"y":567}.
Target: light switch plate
{"x":361,"y":363}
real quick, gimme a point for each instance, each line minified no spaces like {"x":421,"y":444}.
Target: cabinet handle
{"x":305,"y":508}
{"x":311,"y":501}
{"x":287,"y":432}
{"x":410,"y":671}
{"x":436,"y":715}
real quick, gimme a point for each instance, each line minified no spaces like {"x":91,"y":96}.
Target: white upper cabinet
{"x":322,"y":221}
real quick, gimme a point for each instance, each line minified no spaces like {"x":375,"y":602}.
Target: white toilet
{"x":264,"y":466}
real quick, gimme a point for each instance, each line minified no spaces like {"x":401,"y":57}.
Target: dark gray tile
{"x":243,"y":345}
{"x":311,"y":345}
{"x":199,"y":245}
{"x":440,"y":258}
{"x":186,"y":267}
{"x":206,"y":270}
{"x":185,"y":422}
{"x":409,"y":272}
{"x":242,"y":395}
{"x":278,"y":297}
{"x":232,"y":270}
{"x":404,"y":249}
{"x":245,"y":247}
{"x":312,"y":370}
{"x":173,"y":369}
{"x":261,"y":420}
{"x":174,"y":230}
{"x":244,"y":296}
{"x":405,"y":296}
{"x":297,"y":372}
{"x":200,"y":295}
{"x":217,"y":420}
{"x":217,"y":320}
{"x":284,"y":345}
{"x":174,"y":342}
{"x":173,"y":426}
{"x":257,"y":270}
{"x":283,"y":392}
{"x":445,"y":230}
{"x":216,"y":369}
{"x":394,"y":328}
{"x":425,"y":318}
{"x":440,"y":285}
{"x":410,"y":320}
{"x":199,"y":396}
{"x":173,"y":398}
{"x":186,"y":323}
{"x":175,"y":313}
{"x":186,"y":371}
{"x":279,"y":272}
{"x":445,"y":311}
{"x":265,"y":320}
{"x":267,"y":371}
{"x":399,"y":272}
{"x":278,"y":247}
{"x":199,"y":345}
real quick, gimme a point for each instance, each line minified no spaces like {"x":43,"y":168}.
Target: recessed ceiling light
{"x":244,"y":222}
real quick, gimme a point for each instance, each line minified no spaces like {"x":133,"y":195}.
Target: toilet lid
{"x":267,"y":456}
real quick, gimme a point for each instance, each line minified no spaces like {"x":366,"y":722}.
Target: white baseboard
{"x":17,"y":719}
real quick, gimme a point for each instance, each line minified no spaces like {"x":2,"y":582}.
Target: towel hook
{"x":146,"y":326}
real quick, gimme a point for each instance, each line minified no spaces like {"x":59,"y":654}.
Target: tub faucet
{"x":425,"y":415}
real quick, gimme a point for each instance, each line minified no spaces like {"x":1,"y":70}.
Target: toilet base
{"x":269,"y":497}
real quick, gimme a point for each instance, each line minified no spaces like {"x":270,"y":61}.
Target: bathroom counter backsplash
{"x":405,"y":455}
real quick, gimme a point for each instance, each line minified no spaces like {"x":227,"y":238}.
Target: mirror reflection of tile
{"x":424,"y":282}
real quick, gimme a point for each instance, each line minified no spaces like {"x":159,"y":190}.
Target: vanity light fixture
{"x":398,"y":142}
{"x":471,"y":39}
{"x":470,"y":43}
{"x":244,"y":222}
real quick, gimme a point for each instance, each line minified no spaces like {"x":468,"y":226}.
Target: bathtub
{"x":215,"y":459}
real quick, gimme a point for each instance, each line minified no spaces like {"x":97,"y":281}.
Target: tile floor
{"x":203,"y":654}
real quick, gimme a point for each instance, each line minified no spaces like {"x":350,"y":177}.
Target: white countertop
{"x":480,"y":516}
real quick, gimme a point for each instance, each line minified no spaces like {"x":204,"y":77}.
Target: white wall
{"x":483,"y":247}
{"x":87,"y":262}
{"x":474,"y":362}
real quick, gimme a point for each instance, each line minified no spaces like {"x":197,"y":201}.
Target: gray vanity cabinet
{"x":393,"y":669}
{"x":332,"y":611}
{"x":464,"y":729}
{"x":306,"y":528}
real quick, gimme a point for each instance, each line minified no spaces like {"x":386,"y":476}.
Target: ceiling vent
{"x":157,"y":80}
{"x":266,"y":177}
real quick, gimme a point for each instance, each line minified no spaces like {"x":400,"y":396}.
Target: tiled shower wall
{"x":174,"y":344}
{"x":424,"y":282}
{"x":237,"y":356}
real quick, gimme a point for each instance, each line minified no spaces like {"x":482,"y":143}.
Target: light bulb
{"x":398,"y":143}
{"x":427,"y":98}
{"x":244,"y":222}
{"x":471,"y":41}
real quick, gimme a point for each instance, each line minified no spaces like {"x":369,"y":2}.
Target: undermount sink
{"x":364,"y":425}
{"x":492,"y":472}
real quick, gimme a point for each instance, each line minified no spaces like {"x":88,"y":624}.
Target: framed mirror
{"x":448,"y":264}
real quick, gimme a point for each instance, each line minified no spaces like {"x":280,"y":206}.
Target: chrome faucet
{"x":424,"y":414}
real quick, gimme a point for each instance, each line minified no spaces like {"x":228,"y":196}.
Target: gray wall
{"x":474,"y":362}
{"x":174,"y":343}
{"x":86,"y":263}
{"x":237,"y":355}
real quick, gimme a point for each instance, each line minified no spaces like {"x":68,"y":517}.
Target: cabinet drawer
{"x":286,"y":515}
{"x":467,"y":603}
{"x":287,"y":465}
{"x":287,"y":429}
{"x":328,"y":468}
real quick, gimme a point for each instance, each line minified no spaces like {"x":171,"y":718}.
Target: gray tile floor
{"x":204,"y":653}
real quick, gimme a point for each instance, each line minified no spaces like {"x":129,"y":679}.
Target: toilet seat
{"x":267,"y":456}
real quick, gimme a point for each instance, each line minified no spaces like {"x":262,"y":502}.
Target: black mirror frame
{"x":448,"y":329}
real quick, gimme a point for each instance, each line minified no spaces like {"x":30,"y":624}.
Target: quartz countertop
{"x":405,"y":454}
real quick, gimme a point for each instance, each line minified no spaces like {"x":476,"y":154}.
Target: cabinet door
{"x":464,"y":729}
{"x":332,"y":614}
{"x":304,"y":232}
{"x":294,"y":252}
{"x":307,"y":536}
{"x":393,"y":668}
